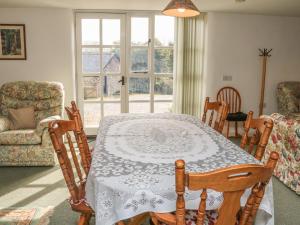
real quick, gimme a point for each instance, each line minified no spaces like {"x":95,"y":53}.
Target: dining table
{"x":132,"y":170}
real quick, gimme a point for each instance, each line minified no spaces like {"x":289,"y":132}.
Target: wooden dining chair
{"x":216,"y":121}
{"x":256,"y":136}
{"x":67,"y":158}
{"x":81,"y":138}
{"x":232,"y":97}
{"x":232,"y":181}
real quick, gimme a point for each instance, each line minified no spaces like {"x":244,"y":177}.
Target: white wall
{"x":231,"y":49}
{"x":50,"y":47}
{"x":232,"y":44}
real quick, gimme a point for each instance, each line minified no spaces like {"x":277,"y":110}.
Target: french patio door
{"x":124,"y":64}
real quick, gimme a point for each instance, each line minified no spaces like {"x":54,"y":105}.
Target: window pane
{"x":111,"y":60}
{"x":164,"y":31}
{"x":139,"y":31}
{"x":91,"y":86}
{"x":162,"y":107}
{"x":163,"y":88}
{"x":92,"y":114}
{"x":112,"y":109}
{"x":139,"y":60}
{"x":163,"y":61}
{"x":90,"y":60}
{"x":139,"y":107}
{"x":111,"y":88}
{"x":139,"y":89}
{"x":90,"y":32}
{"x":111,"y":31}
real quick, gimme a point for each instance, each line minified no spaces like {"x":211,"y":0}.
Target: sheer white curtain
{"x":189,"y":58}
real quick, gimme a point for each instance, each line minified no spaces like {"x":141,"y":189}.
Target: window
{"x":116,"y":76}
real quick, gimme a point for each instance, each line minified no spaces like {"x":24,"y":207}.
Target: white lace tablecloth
{"x":133,"y":165}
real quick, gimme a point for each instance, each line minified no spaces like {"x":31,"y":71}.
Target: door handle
{"x":122,"y":81}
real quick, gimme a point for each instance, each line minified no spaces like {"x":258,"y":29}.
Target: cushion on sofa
{"x":20,"y":137}
{"x":22,"y":118}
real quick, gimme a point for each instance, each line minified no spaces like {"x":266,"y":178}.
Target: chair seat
{"x":238,"y":116}
{"x":191,"y":217}
{"x":210,"y":217}
{"x":20,"y":137}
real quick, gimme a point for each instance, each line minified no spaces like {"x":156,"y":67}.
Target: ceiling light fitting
{"x":181,"y":8}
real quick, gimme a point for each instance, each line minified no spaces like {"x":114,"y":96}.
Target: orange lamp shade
{"x":181,"y":8}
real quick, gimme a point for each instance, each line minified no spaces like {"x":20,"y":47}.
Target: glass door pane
{"x":90,"y":34}
{"x":139,"y":95}
{"x":111,"y":31}
{"x":139,"y":31}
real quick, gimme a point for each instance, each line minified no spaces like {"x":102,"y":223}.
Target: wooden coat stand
{"x":265,"y":53}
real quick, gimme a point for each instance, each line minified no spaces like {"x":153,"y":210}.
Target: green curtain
{"x":189,"y":57}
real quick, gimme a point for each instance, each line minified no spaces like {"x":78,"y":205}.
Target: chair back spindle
{"x":85,"y":152}
{"x":232,"y":97}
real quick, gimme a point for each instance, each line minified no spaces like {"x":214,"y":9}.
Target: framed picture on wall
{"x":12,"y":41}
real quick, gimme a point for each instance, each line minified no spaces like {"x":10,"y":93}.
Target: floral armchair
{"x":285,"y":139}
{"x":30,"y":147}
{"x":288,"y":98}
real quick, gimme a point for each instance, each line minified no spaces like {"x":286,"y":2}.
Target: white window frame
{"x":126,"y":55}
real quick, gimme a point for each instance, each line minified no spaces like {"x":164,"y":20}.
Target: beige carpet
{"x":32,"y":187}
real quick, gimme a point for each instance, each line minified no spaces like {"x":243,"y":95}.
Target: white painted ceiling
{"x":267,"y":7}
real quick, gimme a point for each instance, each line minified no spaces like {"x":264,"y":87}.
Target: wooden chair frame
{"x":262,"y":130}
{"x":57,"y":130}
{"x":221,"y":108}
{"x":232,"y":181}
{"x":85,"y":152}
{"x":232,"y":97}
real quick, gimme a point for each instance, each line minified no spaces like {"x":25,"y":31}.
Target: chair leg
{"x":84,"y":219}
{"x":153,"y":219}
{"x":228,"y":126}
{"x":120,"y":223}
{"x":236,"y":129}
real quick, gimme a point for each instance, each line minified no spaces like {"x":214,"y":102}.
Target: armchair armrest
{"x":286,"y":135}
{"x":43,"y":124}
{"x":4,"y":124}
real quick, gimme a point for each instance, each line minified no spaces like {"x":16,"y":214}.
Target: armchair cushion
{"x":4,"y":124}
{"x":20,"y":137}
{"x":22,"y":118}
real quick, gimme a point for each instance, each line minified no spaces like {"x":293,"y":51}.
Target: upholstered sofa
{"x":285,"y":139}
{"x":288,"y":98}
{"x":29,"y":147}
